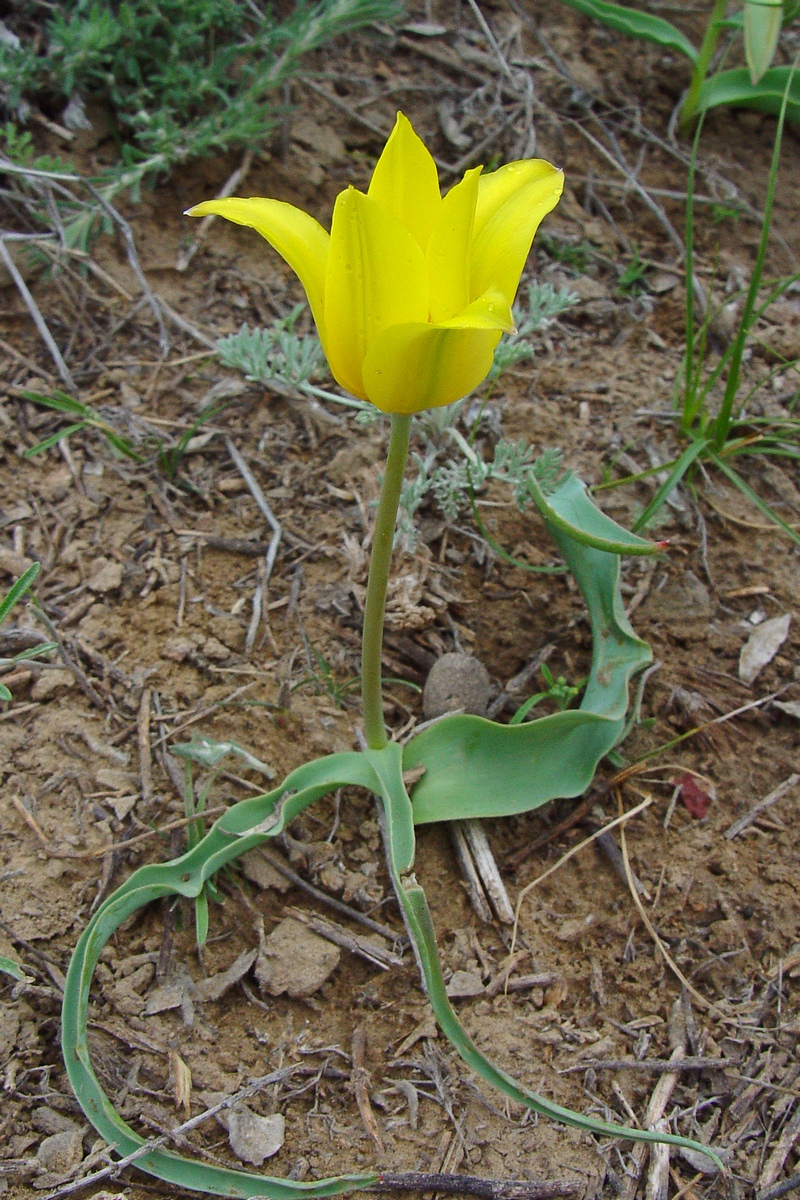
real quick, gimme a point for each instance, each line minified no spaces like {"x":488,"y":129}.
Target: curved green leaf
{"x":416,"y":914}
{"x":567,"y":510}
{"x":735,"y":88}
{"x":241,"y":828}
{"x":418,"y":920}
{"x":636,"y":24}
{"x":476,"y":768}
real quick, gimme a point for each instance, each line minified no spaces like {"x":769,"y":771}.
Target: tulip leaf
{"x":734,"y":87}
{"x":419,"y":924}
{"x":241,"y":828}
{"x":636,"y":24}
{"x":477,"y":768}
{"x":570,"y":510}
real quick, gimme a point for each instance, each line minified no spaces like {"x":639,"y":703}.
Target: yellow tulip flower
{"x":410,"y":291}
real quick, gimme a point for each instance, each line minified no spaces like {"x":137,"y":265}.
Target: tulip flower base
{"x":463,"y":766}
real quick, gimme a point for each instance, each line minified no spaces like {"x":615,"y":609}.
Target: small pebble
{"x":61,"y":1152}
{"x":456,"y":681}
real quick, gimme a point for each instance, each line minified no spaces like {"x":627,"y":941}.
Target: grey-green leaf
{"x":735,"y":88}
{"x":636,"y":24}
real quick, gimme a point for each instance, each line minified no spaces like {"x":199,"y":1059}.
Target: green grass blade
{"x":201,"y":918}
{"x":636,"y":24}
{"x":9,"y":967}
{"x":117,"y":441}
{"x":723,"y":419}
{"x":60,"y":401}
{"x":18,"y":589}
{"x":670,"y":483}
{"x":692,"y":369}
{"x":34,"y":651}
{"x":523,"y":710}
{"x":497,"y":549}
{"x":54,"y":439}
{"x":753,"y":497}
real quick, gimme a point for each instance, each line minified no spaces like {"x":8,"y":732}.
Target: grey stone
{"x":456,"y":681}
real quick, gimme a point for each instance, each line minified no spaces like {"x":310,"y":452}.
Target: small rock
{"x":762,"y":646}
{"x":331,"y":879}
{"x":699,"y":1162}
{"x":52,"y":683}
{"x":587,"y":288}
{"x":456,"y":681}
{"x":214,"y":650}
{"x":295,"y":960}
{"x":215,"y":986}
{"x":47,"y":1120}
{"x":61,"y":1152}
{"x":253,"y":1138}
{"x":178,"y":649}
{"x":129,"y":396}
{"x":681,"y":600}
{"x":260,"y":872}
{"x":602,"y":1048}
{"x":177,"y":991}
{"x":12,"y":563}
{"x":662,"y":281}
{"x":126,"y":1000}
{"x":122,"y":805}
{"x":114,"y":778}
{"x":464,"y":984}
{"x":320,"y":138}
{"x":725,"y":322}
{"x":107,"y":577}
{"x":571,"y":930}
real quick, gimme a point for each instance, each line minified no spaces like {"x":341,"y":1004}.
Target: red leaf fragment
{"x":693,"y":796}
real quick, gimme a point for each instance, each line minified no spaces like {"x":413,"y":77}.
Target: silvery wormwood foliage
{"x":449,"y":466}
{"x":274,"y":355}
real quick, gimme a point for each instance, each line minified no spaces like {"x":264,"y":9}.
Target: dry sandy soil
{"x":154,"y":614}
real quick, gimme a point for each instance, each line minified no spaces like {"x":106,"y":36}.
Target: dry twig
{"x":38,"y":319}
{"x":360,"y":1081}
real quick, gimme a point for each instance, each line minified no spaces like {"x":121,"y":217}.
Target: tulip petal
{"x":511,"y":204}
{"x":417,"y":366}
{"x":376,"y":278}
{"x":449,"y":255}
{"x":298,"y":238}
{"x":489,"y":311}
{"x":405,"y":181}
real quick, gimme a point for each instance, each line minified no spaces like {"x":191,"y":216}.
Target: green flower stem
{"x":381,"y":561}
{"x":689,"y":107}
